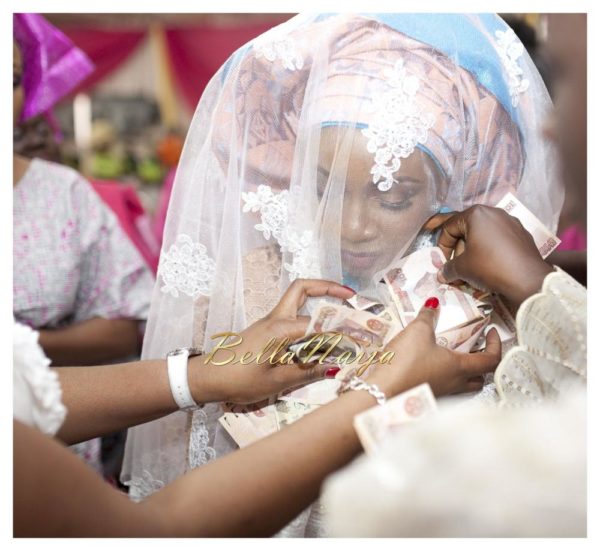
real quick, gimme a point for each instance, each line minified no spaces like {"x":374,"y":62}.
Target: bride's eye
{"x":404,"y":203}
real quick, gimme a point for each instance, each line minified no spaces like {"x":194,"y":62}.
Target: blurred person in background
{"x":35,"y":138}
{"x":571,"y":254}
{"x":76,"y":276}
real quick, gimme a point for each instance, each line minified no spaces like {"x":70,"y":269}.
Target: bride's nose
{"x":357,"y":224}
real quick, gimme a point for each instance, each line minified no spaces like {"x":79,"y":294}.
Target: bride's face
{"x":375,"y":224}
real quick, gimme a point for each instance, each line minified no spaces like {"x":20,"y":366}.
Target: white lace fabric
{"x":551,"y":355}
{"x":186,"y":268}
{"x":399,"y":125}
{"x":273,"y":209}
{"x":279,"y":47}
{"x":319,"y":150}
{"x":511,"y":50}
{"x":37,"y":396}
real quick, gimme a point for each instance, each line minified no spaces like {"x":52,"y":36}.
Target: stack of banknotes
{"x":364,"y":326}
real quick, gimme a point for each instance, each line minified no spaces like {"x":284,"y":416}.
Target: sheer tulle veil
{"x":319,"y":149}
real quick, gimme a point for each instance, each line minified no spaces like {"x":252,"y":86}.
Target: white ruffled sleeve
{"x":470,"y":471}
{"x":473,"y":470}
{"x":551,"y":355}
{"x":37,"y":396}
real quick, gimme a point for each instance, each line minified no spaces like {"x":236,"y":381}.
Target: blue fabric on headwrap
{"x":463,"y":42}
{"x":457,"y":36}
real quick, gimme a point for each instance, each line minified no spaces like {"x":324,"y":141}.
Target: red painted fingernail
{"x":432,"y":302}
{"x":349,"y":288}
{"x":332,"y":372}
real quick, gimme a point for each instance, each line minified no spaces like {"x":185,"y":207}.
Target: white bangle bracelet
{"x":177,"y":369}
{"x":355,"y":383}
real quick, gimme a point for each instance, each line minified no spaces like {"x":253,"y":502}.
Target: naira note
{"x":544,"y":239}
{"x":502,"y":320}
{"x":414,"y":279}
{"x":359,"y":302}
{"x":255,"y":421}
{"x":247,"y":426}
{"x":239,"y":428}
{"x":290,"y":411}
{"x":363,"y":332}
{"x":374,"y":425}
{"x":364,"y":328}
{"x":463,"y":338}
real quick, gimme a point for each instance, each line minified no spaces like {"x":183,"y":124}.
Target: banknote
{"x":502,"y":320}
{"x":374,"y":425}
{"x":247,"y":426}
{"x":359,"y":302}
{"x":322,"y":318}
{"x":247,"y":423}
{"x":363,"y":332}
{"x":261,"y":416}
{"x":414,"y":279}
{"x":318,"y":393}
{"x":239,"y":428}
{"x":544,"y":239}
{"x":366,"y":329}
{"x":464,"y":337}
{"x":289,"y":411}
{"x":324,"y":347}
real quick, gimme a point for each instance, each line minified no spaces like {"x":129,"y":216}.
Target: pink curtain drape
{"x":107,"y":49}
{"x":196,"y":53}
{"x":123,"y":200}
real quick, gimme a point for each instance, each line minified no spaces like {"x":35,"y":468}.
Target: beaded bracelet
{"x":355,"y":383}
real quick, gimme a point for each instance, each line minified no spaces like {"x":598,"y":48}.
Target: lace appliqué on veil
{"x":399,"y":125}
{"x":510,"y":49}
{"x":186,"y":268}
{"x":143,"y":486}
{"x":276,"y":46}
{"x":199,"y":451}
{"x":273,"y":208}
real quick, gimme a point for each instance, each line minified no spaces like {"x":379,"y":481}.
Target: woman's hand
{"x":418,"y":359}
{"x":255,"y":380}
{"x":492,"y":252}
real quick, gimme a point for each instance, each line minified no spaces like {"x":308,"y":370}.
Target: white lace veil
{"x":320,"y":149}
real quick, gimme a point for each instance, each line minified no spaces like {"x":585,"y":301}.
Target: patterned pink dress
{"x":71,"y":259}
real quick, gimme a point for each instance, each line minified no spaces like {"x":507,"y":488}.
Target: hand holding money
{"x":500,"y":255}
{"x":418,"y":358}
{"x":234,"y":370}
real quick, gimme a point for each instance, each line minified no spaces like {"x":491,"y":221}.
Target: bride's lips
{"x":360,"y":261}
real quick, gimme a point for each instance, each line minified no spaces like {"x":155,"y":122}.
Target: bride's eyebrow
{"x":409,"y":180}
{"x":261,"y":173}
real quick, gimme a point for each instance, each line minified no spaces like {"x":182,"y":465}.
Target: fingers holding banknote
{"x":419,"y":359}
{"x":499,"y":254}
{"x":250,"y":366}
{"x":297,"y":293}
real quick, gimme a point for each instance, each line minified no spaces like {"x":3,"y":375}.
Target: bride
{"x":321,"y":149}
